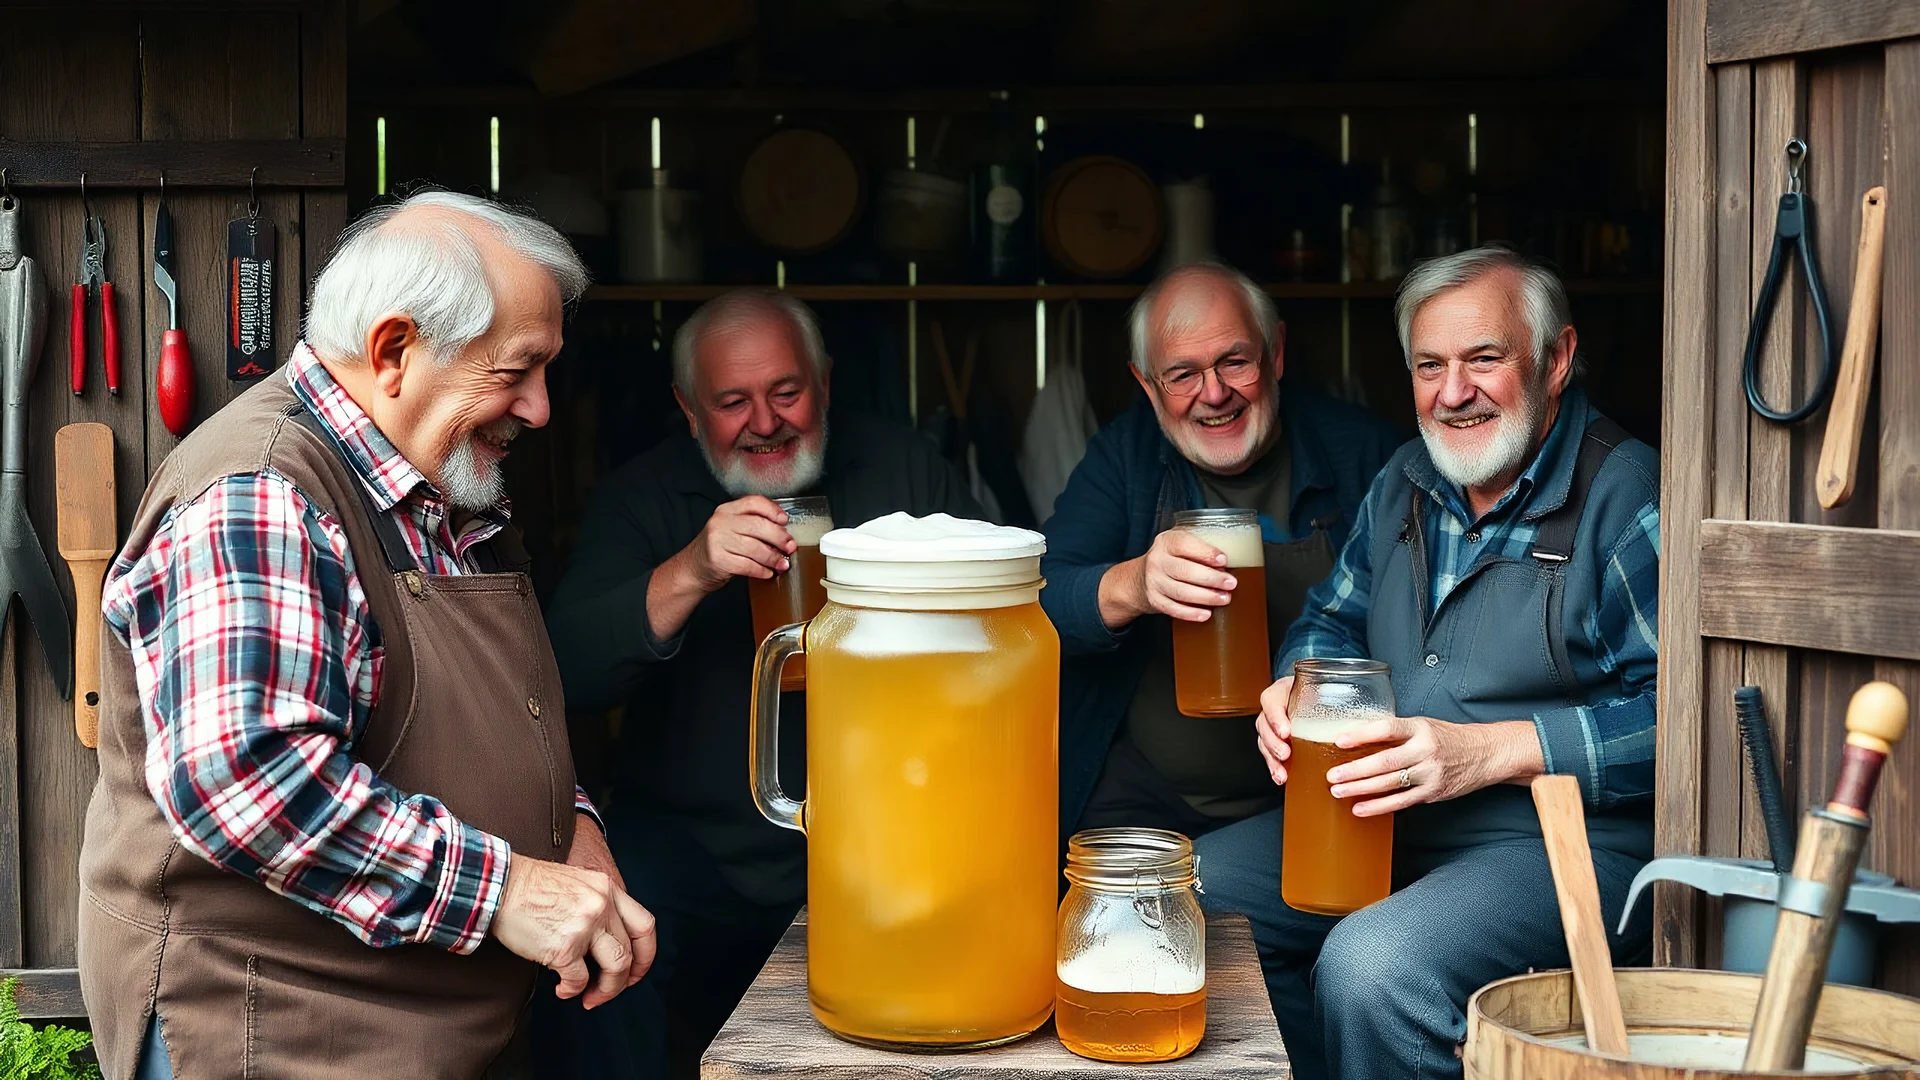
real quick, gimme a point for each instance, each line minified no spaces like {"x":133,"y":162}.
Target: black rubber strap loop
{"x":1790,"y":233}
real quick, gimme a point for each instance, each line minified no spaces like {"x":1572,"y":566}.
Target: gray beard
{"x":739,"y":479}
{"x":465,"y":486}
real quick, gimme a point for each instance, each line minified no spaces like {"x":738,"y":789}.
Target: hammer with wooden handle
{"x":1812,"y":899}
{"x":1840,"y":451}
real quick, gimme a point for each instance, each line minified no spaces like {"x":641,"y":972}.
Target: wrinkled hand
{"x":1272,"y":728}
{"x":558,"y":915}
{"x":1184,"y":577}
{"x":590,"y":852}
{"x":744,"y":538}
{"x":1442,"y":761}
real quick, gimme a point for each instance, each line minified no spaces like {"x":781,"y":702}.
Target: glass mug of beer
{"x":1331,"y":862}
{"x":1132,"y":971}
{"x":1220,"y":666}
{"x":796,"y":595}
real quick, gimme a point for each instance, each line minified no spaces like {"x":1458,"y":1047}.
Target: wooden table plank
{"x":774,"y":1034}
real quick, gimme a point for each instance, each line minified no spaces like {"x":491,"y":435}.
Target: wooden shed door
{"x":1759,"y":584}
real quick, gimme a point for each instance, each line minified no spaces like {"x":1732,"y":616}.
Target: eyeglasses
{"x":1186,"y":382}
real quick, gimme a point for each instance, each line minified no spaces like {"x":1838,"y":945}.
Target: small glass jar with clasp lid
{"x":1132,"y":973}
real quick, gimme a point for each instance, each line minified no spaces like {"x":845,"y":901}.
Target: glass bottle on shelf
{"x":1391,"y":228}
{"x":1001,"y":207}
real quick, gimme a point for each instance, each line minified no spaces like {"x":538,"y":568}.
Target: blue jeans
{"x":154,"y":1061}
{"x":1381,"y":994}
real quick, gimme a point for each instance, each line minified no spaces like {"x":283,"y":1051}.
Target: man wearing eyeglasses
{"x":1217,"y":428}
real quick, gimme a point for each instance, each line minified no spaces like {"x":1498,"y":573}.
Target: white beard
{"x":463,"y":482}
{"x":1261,"y":416}
{"x":739,"y":476}
{"x":1508,"y":448}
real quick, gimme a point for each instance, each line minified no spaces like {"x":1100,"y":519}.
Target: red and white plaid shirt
{"x":258,"y":664}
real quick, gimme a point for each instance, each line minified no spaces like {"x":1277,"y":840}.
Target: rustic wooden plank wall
{"x":105,"y":75}
{"x":1728,"y":126}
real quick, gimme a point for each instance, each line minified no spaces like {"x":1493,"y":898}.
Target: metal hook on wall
{"x":253,"y":193}
{"x":6,"y":190}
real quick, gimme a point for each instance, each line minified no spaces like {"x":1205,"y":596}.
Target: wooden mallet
{"x":1812,"y":899}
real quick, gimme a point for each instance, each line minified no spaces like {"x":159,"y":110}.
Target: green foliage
{"x":46,"y":1054}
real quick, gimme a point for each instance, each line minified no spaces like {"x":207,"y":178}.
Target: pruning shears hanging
{"x":1791,"y":231}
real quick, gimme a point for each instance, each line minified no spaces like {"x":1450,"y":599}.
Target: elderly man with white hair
{"x":653,"y":615}
{"x":336,"y":831}
{"x":1506,"y":567}
{"x":1216,"y":426}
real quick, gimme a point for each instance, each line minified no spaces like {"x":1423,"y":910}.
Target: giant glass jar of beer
{"x":932,"y":782}
{"x":1331,"y":862}
{"x":1220,"y":666}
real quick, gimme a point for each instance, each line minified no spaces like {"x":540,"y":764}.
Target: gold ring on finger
{"x":1406,"y":777}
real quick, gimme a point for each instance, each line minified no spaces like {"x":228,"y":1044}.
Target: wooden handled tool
{"x":88,"y":536}
{"x":1812,"y":899}
{"x":1563,"y":823}
{"x":1840,"y":453}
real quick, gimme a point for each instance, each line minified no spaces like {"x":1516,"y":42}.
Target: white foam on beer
{"x":1239,"y":543}
{"x":879,"y":632}
{"x":901,"y":537}
{"x":1141,"y":962}
{"x":1337,"y":708}
{"x":807,"y":531}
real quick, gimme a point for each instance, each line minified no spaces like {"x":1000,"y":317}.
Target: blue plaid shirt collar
{"x":1549,"y":474}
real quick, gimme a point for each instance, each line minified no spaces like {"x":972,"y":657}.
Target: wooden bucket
{"x":1517,"y":1028}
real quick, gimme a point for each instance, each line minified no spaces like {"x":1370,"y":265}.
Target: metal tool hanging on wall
{"x":173,"y":382}
{"x":93,"y":278}
{"x":1792,"y":229}
{"x":23,"y":562}
{"x":250,"y":244}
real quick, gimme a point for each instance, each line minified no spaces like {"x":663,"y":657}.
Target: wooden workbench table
{"x":773,"y":1035}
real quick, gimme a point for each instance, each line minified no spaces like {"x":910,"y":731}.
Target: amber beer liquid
{"x":1114,"y":1007}
{"x":797,"y":594}
{"x":1221,"y":666}
{"x":1331,"y":862}
{"x":930,"y":762}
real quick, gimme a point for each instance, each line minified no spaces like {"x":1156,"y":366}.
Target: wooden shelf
{"x":1524,"y":94}
{"x":1290,"y":290}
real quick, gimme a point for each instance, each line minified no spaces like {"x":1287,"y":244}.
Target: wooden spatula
{"x":1563,"y":823}
{"x":1840,"y":450}
{"x":88,"y":533}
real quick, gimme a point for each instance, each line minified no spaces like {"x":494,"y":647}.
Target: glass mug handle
{"x":763,"y":733}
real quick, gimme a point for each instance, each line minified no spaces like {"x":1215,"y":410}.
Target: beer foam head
{"x":807,"y":530}
{"x":937,"y":562}
{"x":1335,"y":708}
{"x":1140,"y":962}
{"x":1239,"y":543}
{"x":901,"y":537}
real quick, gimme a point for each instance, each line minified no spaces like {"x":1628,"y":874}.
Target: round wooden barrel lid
{"x":800,"y":191}
{"x":1101,"y":217}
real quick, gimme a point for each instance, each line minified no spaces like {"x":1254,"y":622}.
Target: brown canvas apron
{"x":248,"y":983}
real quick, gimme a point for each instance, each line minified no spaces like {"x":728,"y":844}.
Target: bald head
{"x":1186,"y":297}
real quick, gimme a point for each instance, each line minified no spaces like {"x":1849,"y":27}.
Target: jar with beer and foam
{"x":1331,"y":862}
{"x":932,"y":784}
{"x":1132,"y":973}
{"x":1220,"y":666}
{"x":797,"y":593}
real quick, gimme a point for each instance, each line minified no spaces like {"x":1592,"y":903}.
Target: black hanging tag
{"x":249,"y":296}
